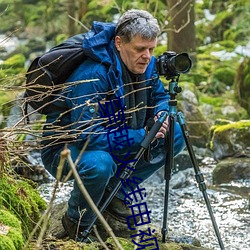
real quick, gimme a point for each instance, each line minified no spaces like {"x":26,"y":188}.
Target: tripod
{"x":173,"y":90}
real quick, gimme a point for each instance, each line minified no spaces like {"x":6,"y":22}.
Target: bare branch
{"x":66,"y":154}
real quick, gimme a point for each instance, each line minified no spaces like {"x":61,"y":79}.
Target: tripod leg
{"x":199,"y":176}
{"x":168,"y":173}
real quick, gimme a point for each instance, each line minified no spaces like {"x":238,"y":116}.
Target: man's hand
{"x":164,"y":128}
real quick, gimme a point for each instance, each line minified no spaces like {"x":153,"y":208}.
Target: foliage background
{"x":214,"y":33}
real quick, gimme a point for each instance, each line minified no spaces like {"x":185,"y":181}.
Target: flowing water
{"x":187,"y":212}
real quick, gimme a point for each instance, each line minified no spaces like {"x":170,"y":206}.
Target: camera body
{"x":171,"y":65}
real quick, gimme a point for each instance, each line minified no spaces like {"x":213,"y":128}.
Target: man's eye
{"x":139,"y":50}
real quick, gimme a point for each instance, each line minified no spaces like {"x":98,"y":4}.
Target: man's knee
{"x":97,"y":164}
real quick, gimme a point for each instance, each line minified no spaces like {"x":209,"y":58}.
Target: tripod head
{"x":174,"y":89}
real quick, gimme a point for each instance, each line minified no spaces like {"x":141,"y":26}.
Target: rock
{"x":231,"y":169}
{"x":197,"y":125}
{"x":190,"y":96}
{"x":232,"y":139}
{"x":181,"y":179}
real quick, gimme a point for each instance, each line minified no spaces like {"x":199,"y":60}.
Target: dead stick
{"x":66,"y":154}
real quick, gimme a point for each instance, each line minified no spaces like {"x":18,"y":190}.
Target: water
{"x":187,"y":212}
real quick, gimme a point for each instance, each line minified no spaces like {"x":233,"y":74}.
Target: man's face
{"x":137,"y":53}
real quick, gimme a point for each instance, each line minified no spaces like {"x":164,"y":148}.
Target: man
{"x":120,"y":66}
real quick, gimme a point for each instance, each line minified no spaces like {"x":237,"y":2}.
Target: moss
{"x":219,"y":102}
{"x":13,"y":239}
{"x":235,"y":125}
{"x":21,"y":199}
{"x":225,"y":75}
{"x":173,"y":246}
{"x":125,"y":243}
{"x":16,"y":237}
{"x":9,"y":219}
{"x":6,"y":243}
{"x":229,"y":45}
{"x":214,"y":101}
{"x":16,"y":61}
{"x":239,"y":128}
{"x":13,"y":71}
{"x":6,"y":96}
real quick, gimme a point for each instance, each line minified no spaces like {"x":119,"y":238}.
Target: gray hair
{"x":137,"y":22}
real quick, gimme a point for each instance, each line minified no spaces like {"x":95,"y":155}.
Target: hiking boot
{"x":121,"y":211}
{"x":75,"y":231}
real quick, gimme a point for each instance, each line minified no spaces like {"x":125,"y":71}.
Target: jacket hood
{"x":98,"y":43}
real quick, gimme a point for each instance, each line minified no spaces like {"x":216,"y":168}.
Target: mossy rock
{"x":21,"y":199}
{"x":11,"y":237}
{"x":232,"y":139}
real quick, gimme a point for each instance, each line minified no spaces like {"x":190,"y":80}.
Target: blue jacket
{"x":104,"y":71}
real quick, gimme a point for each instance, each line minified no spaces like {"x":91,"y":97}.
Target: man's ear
{"x":118,"y":43}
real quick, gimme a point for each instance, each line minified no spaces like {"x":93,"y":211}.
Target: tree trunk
{"x":181,"y":27}
{"x":71,"y":6}
{"x":83,"y":7}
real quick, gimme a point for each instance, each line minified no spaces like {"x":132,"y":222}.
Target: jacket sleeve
{"x":86,"y":123}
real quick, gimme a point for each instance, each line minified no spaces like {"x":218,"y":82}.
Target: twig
{"x":77,"y":21}
{"x":66,"y":154}
{"x":99,"y":238}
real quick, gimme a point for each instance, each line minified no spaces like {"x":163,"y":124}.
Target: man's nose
{"x":146,"y":54}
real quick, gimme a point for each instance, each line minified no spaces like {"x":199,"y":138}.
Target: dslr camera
{"x":171,"y":65}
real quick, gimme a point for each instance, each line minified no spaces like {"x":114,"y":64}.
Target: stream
{"x":187,"y":212}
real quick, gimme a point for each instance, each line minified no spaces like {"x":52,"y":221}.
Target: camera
{"x":171,"y":65}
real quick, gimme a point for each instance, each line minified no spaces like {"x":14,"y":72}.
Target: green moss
{"x":235,"y":125}
{"x":212,"y":100}
{"x":13,"y":71}
{"x":16,"y":237}
{"x":13,"y":238}
{"x":228,"y":45}
{"x":16,"y":61}
{"x":6,"y":243}
{"x":9,"y":219}
{"x":125,"y":243}
{"x":239,"y":128}
{"x":21,"y":199}
{"x":225,"y":75}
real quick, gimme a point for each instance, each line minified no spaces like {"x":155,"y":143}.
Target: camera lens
{"x":182,"y":63}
